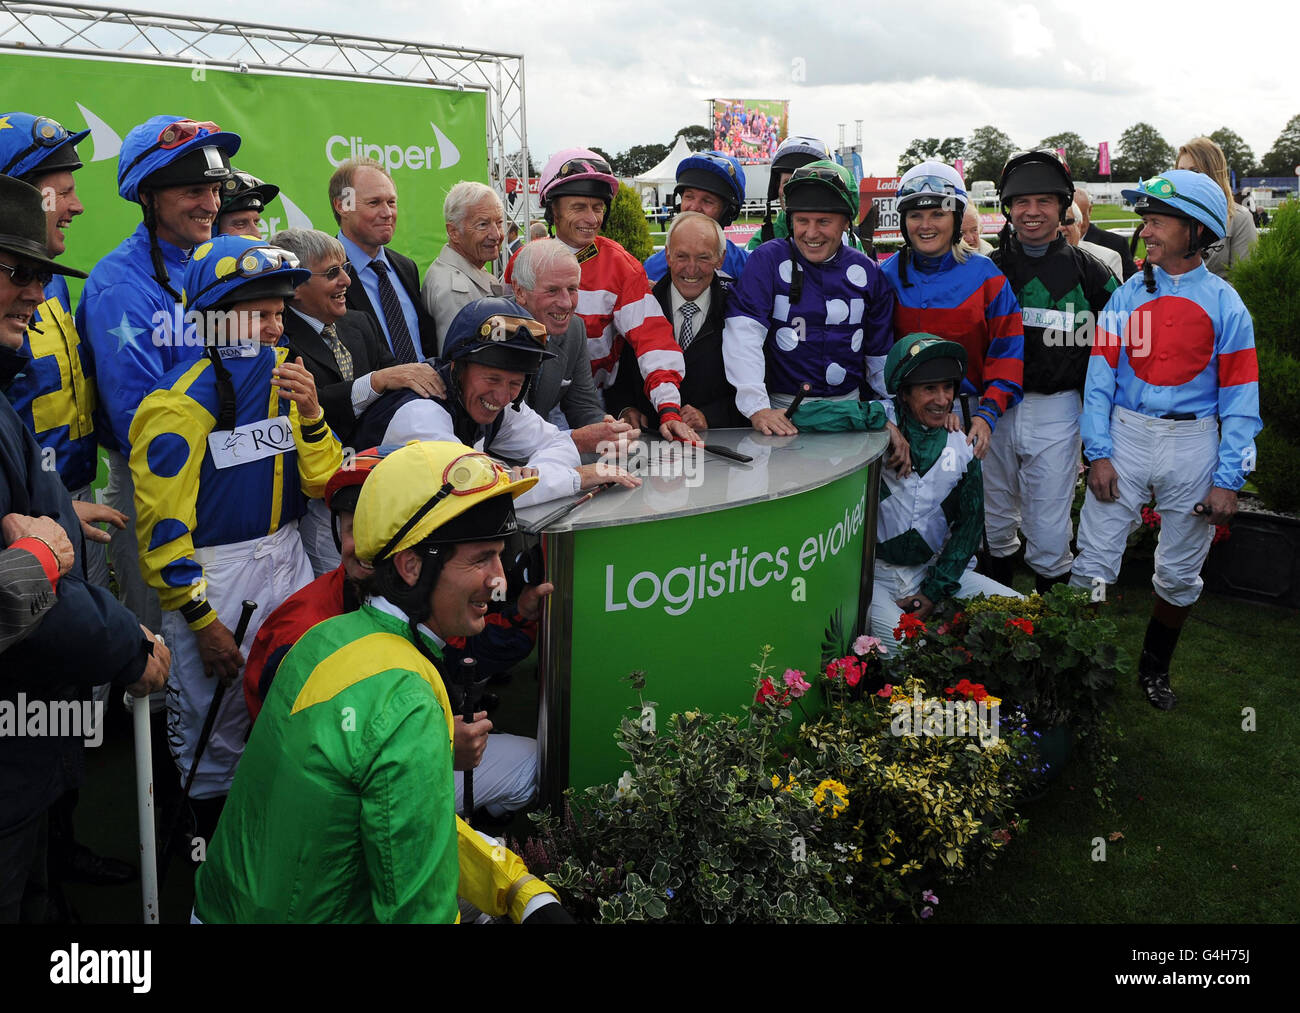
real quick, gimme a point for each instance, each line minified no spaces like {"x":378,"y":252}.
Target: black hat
{"x":22,"y":225}
{"x":242,"y":191}
{"x":205,"y":164}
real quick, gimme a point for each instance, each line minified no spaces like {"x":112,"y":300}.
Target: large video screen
{"x":750,"y":129}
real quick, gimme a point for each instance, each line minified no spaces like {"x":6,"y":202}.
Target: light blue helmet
{"x":1183,"y":194}
{"x":173,"y":151}
{"x":230,"y":269}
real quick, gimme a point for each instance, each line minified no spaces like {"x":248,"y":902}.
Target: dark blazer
{"x":1113,"y":241}
{"x":705,"y":385}
{"x":360,"y":336}
{"x":566,"y":380}
{"x":409,"y":275}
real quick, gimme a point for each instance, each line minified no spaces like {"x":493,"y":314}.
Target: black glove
{"x":549,"y":914}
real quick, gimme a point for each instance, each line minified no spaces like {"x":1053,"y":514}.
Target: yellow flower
{"x":839,"y":796}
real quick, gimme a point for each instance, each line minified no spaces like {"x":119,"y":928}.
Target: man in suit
{"x":346,"y":356}
{"x":693,"y":297}
{"x":364,"y":201}
{"x":474,"y":216}
{"x":546,"y":278}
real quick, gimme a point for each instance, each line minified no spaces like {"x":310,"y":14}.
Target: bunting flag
{"x":1103,"y":158}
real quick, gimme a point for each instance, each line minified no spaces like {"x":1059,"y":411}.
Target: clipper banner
{"x":295,"y":131}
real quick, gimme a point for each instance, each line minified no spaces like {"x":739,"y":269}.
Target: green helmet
{"x":923,"y":358}
{"x":823,"y":186}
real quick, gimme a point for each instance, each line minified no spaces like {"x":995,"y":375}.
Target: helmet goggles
{"x":173,"y":136}
{"x":46,"y":133}
{"x":466,"y":475}
{"x":500,"y":327}
{"x":253,"y":263}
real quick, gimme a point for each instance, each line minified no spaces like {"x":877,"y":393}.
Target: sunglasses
{"x":466,"y":475}
{"x":23,"y":275}
{"x":172,"y":136}
{"x":46,"y":133}
{"x":499,"y":327}
{"x":332,"y":273}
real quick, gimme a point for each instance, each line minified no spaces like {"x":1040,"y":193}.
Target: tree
{"x":1241,"y":159}
{"x":924,"y":149}
{"x":1142,"y":153}
{"x":698,"y":138}
{"x":987,"y":151}
{"x":605,"y":155}
{"x":1079,"y":155}
{"x":1285,"y":154}
{"x":626,"y":223}
{"x":638,"y":158}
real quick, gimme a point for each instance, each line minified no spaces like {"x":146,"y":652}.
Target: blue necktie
{"x":403,"y":348}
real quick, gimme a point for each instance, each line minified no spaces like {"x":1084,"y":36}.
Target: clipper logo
{"x":442,"y":154}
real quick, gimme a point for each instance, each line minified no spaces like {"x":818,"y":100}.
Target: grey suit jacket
{"x":25,"y":595}
{"x":450,"y":284}
{"x":566,"y":380}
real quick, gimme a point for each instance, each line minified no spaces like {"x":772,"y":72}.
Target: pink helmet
{"x":577,"y":172}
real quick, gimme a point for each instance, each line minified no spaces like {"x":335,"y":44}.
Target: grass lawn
{"x":1207,"y":813}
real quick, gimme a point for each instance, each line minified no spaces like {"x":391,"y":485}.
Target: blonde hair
{"x":1208,"y":159}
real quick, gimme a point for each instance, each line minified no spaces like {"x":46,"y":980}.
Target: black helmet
{"x":1039,"y":171}
{"x":242,"y":191}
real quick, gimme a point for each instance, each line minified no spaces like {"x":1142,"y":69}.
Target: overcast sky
{"x":615,"y":74}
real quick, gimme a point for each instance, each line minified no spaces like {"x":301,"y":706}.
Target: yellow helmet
{"x":427,"y":487}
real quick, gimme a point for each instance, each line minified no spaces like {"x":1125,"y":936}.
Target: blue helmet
{"x":497,"y":332}
{"x":1183,"y":194}
{"x":230,"y":269}
{"x":718,"y":174}
{"x":173,"y":151}
{"x":35,"y":145}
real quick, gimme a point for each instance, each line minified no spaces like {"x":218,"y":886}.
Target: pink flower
{"x":885,"y":691}
{"x":929,"y":897}
{"x":864,"y":645}
{"x":926,"y":912}
{"x":797,"y":683}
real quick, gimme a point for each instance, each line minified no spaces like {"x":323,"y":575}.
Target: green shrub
{"x":1269,"y":283}
{"x":627,"y":225}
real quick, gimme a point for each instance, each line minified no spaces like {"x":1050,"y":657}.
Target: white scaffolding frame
{"x":102,"y":32}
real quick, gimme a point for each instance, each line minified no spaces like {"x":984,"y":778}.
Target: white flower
{"x":624,"y":784}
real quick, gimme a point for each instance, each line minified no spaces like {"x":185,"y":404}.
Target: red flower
{"x":766,"y":691}
{"x":909,"y":627}
{"x":853,"y":671}
{"x":885,"y":691}
{"x":1024,"y":625}
{"x":1221,"y":531}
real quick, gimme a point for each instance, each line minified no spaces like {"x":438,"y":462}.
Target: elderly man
{"x":1111,"y":240}
{"x":970,"y":230}
{"x":474,"y":217}
{"x":694,"y":297}
{"x":346,"y":356}
{"x":364,"y":201}
{"x":1073,"y":235}
{"x":85,"y":636}
{"x":546,"y":280}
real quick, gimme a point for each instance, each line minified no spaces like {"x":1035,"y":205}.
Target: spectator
{"x":85,"y":635}
{"x":243,"y":199}
{"x":712,"y":184}
{"x":130,"y":307}
{"x":546,"y":280}
{"x":513,"y":241}
{"x":537,"y":230}
{"x":473,"y":216}
{"x":1203,"y":155}
{"x":364,"y":201}
{"x":1102,"y":237}
{"x":971,"y":231}
{"x":220,"y":487}
{"x":694,"y":297}
{"x":808,"y":309}
{"x":1072,"y":231}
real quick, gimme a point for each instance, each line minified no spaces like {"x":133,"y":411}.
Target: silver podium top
{"x":677,"y":481}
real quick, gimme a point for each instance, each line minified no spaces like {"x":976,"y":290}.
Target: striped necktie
{"x":342,"y":357}
{"x":689,"y":309}
{"x":398,"y":332}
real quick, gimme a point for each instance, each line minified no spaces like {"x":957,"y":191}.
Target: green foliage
{"x":1240,"y":157}
{"x":1142,"y":153}
{"x":627,"y":225}
{"x":696,"y":831}
{"x":922,"y":808}
{"x":1285,"y":153}
{"x":698,"y":137}
{"x":987,"y":151}
{"x":923,"y":149}
{"x":1080,"y":156}
{"x":1268,"y":281}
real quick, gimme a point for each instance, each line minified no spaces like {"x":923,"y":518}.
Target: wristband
{"x":669,"y":413}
